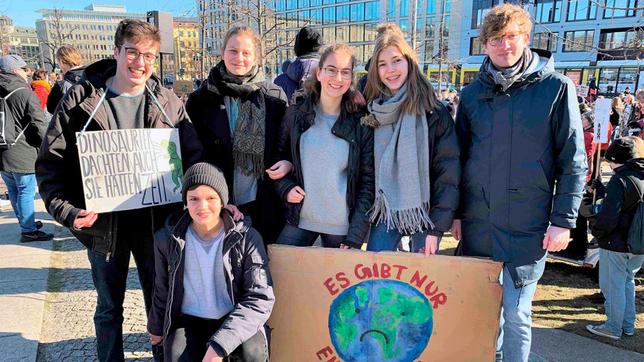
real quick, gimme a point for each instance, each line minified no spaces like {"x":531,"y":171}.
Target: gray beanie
{"x":203,"y":173}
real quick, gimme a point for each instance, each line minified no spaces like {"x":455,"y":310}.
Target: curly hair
{"x":499,"y":17}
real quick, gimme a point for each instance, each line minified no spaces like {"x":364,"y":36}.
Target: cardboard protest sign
{"x":346,"y":305}
{"x":602,"y":119}
{"x":130,"y":168}
{"x":182,"y":87}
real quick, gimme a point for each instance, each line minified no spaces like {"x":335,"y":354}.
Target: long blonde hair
{"x":420,"y":93}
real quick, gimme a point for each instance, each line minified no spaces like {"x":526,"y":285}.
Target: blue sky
{"x":24,"y":12}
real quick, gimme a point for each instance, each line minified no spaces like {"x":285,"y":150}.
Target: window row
{"x":549,"y":11}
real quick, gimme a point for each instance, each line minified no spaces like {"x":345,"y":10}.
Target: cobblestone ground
{"x":68,"y":327}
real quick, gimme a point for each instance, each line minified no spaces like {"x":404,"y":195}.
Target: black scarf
{"x":249,"y":135}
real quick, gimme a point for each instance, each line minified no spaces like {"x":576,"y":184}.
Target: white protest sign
{"x":582,"y":90}
{"x":130,"y":168}
{"x":602,"y":118}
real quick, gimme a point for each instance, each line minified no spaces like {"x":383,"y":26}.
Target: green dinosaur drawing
{"x":175,"y":163}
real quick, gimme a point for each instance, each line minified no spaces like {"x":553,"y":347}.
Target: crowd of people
{"x":503,"y":166}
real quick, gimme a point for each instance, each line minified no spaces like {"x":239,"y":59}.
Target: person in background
{"x":416,"y":153}
{"x":70,"y":61}
{"x":331,"y":187}
{"x":23,"y":108}
{"x":618,"y":266}
{"x":308,"y":42}
{"x":238,"y":114}
{"x":524,"y":166}
{"x":40,"y":86}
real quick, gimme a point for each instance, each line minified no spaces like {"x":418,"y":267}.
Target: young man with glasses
{"x":119,"y":93}
{"x":524,"y":166}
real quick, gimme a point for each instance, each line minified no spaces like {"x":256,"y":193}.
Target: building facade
{"x":24,"y":42}
{"x":339,"y":21}
{"x":597,"y":43}
{"x":187,"y":49}
{"x":90,"y":30}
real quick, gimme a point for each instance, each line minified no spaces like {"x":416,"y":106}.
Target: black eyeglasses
{"x":133,"y":54}
{"x":333,"y":72}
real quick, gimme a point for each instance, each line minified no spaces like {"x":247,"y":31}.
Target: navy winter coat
{"x":524,"y":166}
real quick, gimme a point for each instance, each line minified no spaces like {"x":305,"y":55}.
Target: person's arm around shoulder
{"x":570,"y":168}
{"x":286,"y":183}
{"x":462,"y":128}
{"x":359,"y":223}
{"x":445,"y":174}
{"x":254,"y":305}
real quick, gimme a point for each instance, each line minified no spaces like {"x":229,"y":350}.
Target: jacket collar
{"x":343,"y":126}
{"x":491,"y":88}
{"x":94,"y":80}
{"x":178,"y":223}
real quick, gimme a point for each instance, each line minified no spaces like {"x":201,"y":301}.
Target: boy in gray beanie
{"x":196,"y":255}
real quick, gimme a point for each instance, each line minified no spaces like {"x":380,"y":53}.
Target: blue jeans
{"x":22,"y":189}
{"x":110,"y":278}
{"x":617,"y":282}
{"x":381,"y":239}
{"x":515,"y":322}
{"x":295,"y":236}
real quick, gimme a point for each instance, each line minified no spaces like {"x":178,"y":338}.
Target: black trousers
{"x":189,"y":342}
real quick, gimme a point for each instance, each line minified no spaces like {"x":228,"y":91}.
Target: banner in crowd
{"x":130,"y":169}
{"x":346,"y":305}
{"x":602,"y":120}
{"x":582,"y":90}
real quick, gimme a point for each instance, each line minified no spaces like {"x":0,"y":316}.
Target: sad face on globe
{"x":380,"y":320}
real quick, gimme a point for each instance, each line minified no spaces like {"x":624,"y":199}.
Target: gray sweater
{"x":325,"y":160}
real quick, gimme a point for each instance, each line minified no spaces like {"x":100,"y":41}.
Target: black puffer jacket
{"x":618,"y":207}
{"x":207,"y":110}
{"x":360,"y":176}
{"x":24,"y":108}
{"x":248,"y":278}
{"x":61,"y":87}
{"x":57,"y":167}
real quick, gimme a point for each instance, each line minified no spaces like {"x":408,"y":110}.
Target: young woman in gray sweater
{"x":331,"y":186}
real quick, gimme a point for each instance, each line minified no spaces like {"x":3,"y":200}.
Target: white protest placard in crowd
{"x":602,"y":118}
{"x":130,"y":168}
{"x":582,"y":90}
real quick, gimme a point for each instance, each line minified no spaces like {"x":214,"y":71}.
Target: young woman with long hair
{"x":417,"y":168}
{"x":237,"y":114}
{"x":332,"y":183}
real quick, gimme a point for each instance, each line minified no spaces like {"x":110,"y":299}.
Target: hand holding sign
{"x":85,"y":219}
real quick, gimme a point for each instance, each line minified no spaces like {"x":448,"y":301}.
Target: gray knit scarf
{"x":505,"y":77}
{"x":249,"y":134}
{"x":401,"y":154}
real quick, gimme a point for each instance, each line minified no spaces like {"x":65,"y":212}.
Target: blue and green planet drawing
{"x":380,"y":320}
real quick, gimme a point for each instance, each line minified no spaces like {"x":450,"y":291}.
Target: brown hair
{"x":39,"y":74}
{"x":245,"y":30}
{"x":421,"y":97}
{"x":69,"y":55}
{"x":134,"y":31}
{"x":312,"y":85}
{"x":638,"y":143}
{"x":499,"y":17}
{"x":616,"y":102}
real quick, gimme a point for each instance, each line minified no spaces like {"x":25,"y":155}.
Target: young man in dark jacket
{"x":213,"y":290}
{"x":17,"y":163}
{"x":617,"y":266}
{"x":524,"y":166}
{"x":118,"y":93}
